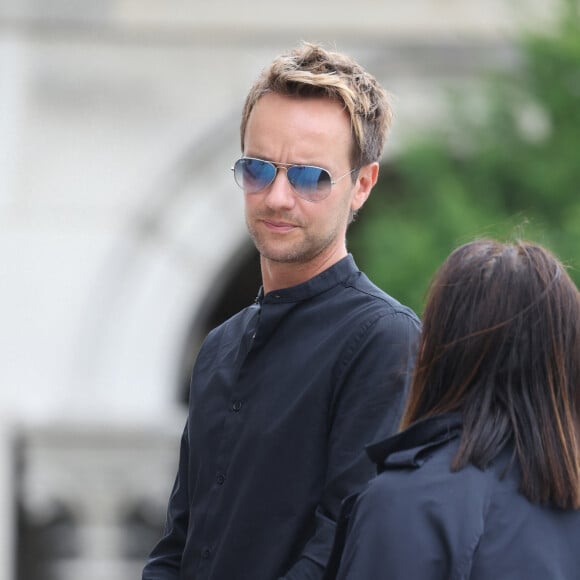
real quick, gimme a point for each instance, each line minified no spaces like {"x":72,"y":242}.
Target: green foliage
{"x":511,"y":172}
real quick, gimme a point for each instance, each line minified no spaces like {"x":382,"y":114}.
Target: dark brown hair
{"x":501,"y":345}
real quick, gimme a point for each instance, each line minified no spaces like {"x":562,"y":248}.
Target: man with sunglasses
{"x":286,"y":394}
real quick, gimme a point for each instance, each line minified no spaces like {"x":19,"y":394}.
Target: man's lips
{"x":279,"y":226}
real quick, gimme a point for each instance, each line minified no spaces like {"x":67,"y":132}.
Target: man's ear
{"x":366,"y":179}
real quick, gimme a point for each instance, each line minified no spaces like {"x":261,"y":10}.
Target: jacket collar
{"x":411,"y":447}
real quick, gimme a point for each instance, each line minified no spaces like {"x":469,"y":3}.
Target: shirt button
{"x":205,"y":553}
{"x":220,"y":478}
{"x":237,"y":406}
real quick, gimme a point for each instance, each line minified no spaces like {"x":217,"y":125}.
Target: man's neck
{"x":278,"y":275}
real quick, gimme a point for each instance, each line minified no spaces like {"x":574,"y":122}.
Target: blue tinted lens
{"x":310,"y":182}
{"x":253,"y":175}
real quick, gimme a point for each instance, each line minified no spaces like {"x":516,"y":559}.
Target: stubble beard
{"x":292,"y":251}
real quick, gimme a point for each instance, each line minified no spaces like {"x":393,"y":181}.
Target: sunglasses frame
{"x":287,"y":167}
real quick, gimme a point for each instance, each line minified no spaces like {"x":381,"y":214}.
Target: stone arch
{"x":177,"y":248}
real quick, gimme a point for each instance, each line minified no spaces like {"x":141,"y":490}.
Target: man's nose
{"x":280,"y":193}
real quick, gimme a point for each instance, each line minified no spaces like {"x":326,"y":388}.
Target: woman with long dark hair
{"x":483,"y":481}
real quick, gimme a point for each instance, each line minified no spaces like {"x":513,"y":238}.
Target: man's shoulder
{"x":368,"y":292}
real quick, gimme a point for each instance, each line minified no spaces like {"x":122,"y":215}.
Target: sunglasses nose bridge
{"x":278,"y":167}
{"x":281,"y":193}
{"x":305,"y":186}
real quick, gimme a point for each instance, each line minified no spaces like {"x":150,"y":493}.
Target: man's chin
{"x":283,"y":258}
{"x":288,"y":255}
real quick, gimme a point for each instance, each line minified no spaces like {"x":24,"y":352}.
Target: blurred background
{"x":122,"y":240}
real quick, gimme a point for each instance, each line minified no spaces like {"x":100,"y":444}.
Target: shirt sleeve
{"x":371,"y":387}
{"x":164,"y":562}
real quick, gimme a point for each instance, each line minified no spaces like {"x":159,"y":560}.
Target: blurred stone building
{"x":122,"y":238}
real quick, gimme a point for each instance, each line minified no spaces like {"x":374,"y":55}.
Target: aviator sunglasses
{"x":308,"y":181}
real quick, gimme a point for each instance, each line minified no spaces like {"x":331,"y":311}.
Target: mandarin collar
{"x":336,"y":274}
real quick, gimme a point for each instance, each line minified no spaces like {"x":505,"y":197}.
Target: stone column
{"x":101,"y":476}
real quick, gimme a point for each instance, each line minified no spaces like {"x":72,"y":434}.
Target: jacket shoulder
{"x":420,"y":522}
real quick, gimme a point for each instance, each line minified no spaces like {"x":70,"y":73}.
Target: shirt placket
{"x":232,"y":424}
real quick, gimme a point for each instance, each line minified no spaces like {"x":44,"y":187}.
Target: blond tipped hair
{"x":311,"y":71}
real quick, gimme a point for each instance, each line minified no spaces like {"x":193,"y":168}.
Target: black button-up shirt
{"x":284,"y":397}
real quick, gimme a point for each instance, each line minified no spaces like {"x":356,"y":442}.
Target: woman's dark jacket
{"x":418,"y":520}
